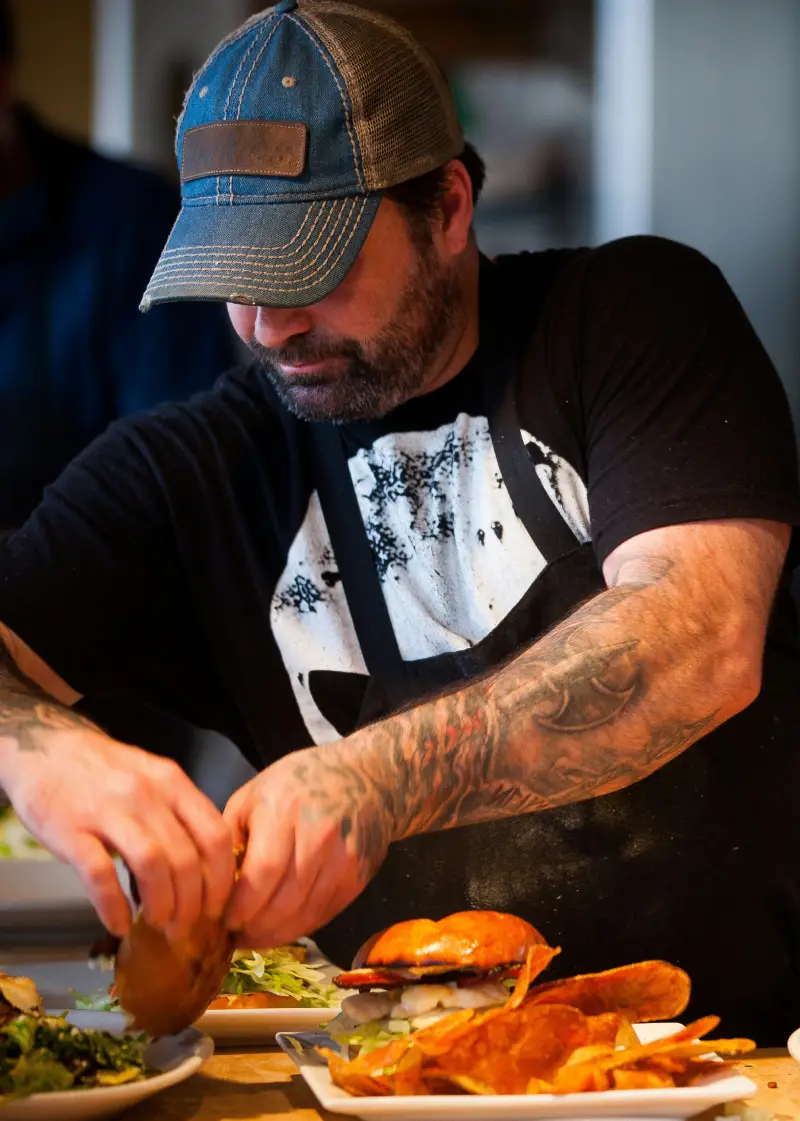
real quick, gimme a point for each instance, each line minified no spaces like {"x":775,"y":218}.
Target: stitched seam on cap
{"x":287,"y":245}
{"x":276,"y":24}
{"x":321,"y":51}
{"x":256,"y":39}
{"x":228,"y":41}
{"x":282,"y":196}
{"x":293,"y":289}
{"x":277,"y":251}
{"x":176,"y":270}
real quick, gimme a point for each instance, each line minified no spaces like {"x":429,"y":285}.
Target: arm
{"x":83,"y":794}
{"x":631,"y":679}
{"x":673,"y":648}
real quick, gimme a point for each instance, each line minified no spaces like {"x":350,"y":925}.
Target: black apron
{"x":697,"y":864}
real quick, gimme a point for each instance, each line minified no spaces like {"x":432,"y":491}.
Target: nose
{"x":275,"y":326}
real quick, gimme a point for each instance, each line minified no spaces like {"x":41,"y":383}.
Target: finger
{"x":185,"y":867}
{"x":90,"y":859}
{"x":144,"y":854}
{"x":212,"y":837}
{"x":236,"y":813}
{"x":268,"y":858}
{"x":292,"y":911}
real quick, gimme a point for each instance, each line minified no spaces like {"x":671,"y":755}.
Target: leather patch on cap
{"x":244,"y":148}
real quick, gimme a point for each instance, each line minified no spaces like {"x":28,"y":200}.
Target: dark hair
{"x":422,"y":197}
{"x":6,"y":32}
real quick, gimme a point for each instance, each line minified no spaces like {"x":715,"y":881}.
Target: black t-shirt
{"x":183,"y":560}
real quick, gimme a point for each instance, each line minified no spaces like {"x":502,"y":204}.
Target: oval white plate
{"x":676,"y":1104}
{"x":794,"y":1045}
{"x":176,"y":1056}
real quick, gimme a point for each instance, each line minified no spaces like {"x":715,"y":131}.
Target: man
{"x":79,"y":235}
{"x":499,"y":541}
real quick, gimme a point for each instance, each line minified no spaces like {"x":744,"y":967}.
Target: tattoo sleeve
{"x":27,"y":712}
{"x":611,"y":694}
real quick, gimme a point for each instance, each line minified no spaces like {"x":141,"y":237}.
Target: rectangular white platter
{"x":677,"y":1103}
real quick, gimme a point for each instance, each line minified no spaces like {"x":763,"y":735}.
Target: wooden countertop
{"x":263,"y":1085}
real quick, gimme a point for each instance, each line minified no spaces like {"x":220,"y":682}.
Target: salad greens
{"x":278,"y":971}
{"x":40,"y":1053}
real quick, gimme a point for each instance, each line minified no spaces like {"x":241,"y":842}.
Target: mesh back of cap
{"x":403,"y":111}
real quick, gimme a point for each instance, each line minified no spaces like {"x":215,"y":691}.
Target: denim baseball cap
{"x":289,"y":134}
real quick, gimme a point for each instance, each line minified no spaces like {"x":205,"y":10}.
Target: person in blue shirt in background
{"x":79,"y":237}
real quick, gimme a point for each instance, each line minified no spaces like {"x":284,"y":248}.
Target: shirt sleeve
{"x":91,"y":581}
{"x":685,"y":416}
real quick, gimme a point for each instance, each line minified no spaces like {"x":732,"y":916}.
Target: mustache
{"x":303,"y":351}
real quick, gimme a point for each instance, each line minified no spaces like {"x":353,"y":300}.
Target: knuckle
{"x":169,"y":769}
{"x":97,"y":873}
{"x":132,"y":785}
{"x":148,"y":858}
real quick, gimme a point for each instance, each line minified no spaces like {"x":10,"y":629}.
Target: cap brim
{"x":286,"y":254}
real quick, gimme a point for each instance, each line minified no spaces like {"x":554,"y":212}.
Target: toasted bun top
{"x":476,"y":940}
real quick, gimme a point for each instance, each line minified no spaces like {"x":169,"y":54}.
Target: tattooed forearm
{"x":28,"y":712}
{"x":613,"y":693}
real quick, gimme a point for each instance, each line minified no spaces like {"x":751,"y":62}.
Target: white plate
{"x":56,"y":982}
{"x":794,"y":1045}
{"x":633,"y":1105}
{"x":248,"y":1026}
{"x":176,"y":1056}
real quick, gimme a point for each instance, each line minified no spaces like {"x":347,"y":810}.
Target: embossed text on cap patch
{"x":244,"y":148}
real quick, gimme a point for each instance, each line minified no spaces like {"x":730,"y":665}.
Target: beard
{"x":375,"y":377}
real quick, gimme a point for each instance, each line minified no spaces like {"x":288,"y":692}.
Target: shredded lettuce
{"x":278,"y":971}
{"x":361,"y":1039}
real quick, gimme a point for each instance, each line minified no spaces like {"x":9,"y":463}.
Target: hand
{"x":84,"y":796}
{"x":315,"y":834}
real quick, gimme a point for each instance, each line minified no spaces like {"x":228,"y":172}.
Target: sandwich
{"x":415,"y":973}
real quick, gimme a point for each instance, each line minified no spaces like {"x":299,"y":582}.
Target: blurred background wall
{"x":55,"y":41}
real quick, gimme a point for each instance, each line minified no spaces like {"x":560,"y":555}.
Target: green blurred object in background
{"x":16,"y":843}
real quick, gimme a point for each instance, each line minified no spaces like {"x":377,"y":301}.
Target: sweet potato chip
{"x":471,"y":1085}
{"x":589,"y":1054}
{"x":626,"y":1036}
{"x":605,"y":1029}
{"x":408,"y":1075}
{"x":641,"y":1079}
{"x":354,"y":1081}
{"x":509,"y":1049}
{"x":648,"y":990}
{"x":539,"y":957}
{"x":580,"y":1078}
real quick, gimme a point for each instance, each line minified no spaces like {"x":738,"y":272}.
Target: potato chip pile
{"x":564,"y":1037}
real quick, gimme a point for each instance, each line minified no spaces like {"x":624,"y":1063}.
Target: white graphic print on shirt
{"x":452,"y":556}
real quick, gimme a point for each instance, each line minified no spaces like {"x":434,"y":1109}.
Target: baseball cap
{"x":289,"y":134}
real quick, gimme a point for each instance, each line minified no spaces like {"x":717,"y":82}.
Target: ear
{"x":457,"y":209}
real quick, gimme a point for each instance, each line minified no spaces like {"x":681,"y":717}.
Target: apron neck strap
{"x":351,"y":547}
